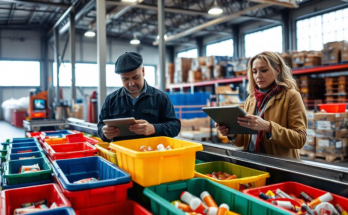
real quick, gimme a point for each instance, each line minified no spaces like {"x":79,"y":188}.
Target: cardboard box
{"x":344,"y":53}
{"x":335,"y":45}
{"x":312,"y":60}
{"x":298,"y":58}
{"x":325,"y":57}
{"x":287,"y":58}
{"x":331,"y":133}
{"x":219,"y":71}
{"x":194,"y":76}
{"x":310,"y":123}
{"x":202,"y":61}
{"x":334,"y":55}
{"x":182,"y":67}
{"x":194,"y":64}
{"x":331,"y":146}
{"x":330,"y":116}
{"x":207,"y":73}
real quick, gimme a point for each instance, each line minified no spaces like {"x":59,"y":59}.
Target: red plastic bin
{"x":14,"y":198}
{"x":71,"y":150}
{"x":96,"y":197}
{"x":295,"y":188}
{"x":333,"y":108}
{"x":33,"y":134}
{"x":121,"y":208}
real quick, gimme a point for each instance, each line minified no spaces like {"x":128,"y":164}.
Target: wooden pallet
{"x":330,"y":158}
{"x":309,"y":155}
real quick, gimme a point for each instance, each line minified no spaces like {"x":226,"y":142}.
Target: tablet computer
{"x":228,"y":116}
{"x":122,"y":124}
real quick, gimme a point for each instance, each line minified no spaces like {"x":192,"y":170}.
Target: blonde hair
{"x":276,"y":63}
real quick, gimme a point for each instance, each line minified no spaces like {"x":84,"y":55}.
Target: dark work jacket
{"x":153,"y":106}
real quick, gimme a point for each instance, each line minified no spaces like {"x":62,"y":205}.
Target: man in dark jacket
{"x":152,"y":109}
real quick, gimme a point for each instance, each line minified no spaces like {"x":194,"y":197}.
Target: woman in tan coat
{"x":274,"y":108}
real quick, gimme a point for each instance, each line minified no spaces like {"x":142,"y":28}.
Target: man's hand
{"x":143,"y":127}
{"x":110,"y":132}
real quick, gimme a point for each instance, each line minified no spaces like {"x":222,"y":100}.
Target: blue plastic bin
{"x":25,"y":155}
{"x":5,"y":186}
{"x":19,"y":140}
{"x":57,"y":211}
{"x":26,"y":144}
{"x":16,"y":150}
{"x":70,"y":170}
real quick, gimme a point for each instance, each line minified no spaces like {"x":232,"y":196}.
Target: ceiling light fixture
{"x":90,"y":33}
{"x":165,"y":37}
{"x":135,"y":41}
{"x":215,"y":10}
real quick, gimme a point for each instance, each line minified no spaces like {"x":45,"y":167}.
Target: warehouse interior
{"x":57,"y":67}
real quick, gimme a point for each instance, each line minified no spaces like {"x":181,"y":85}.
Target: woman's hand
{"x":255,"y":123}
{"x":223,"y":130}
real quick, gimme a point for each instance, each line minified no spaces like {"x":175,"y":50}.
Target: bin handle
{"x":54,"y":171}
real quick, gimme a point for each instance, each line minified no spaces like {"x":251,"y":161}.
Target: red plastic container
{"x":96,"y":197}
{"x":121,"y":208}
{"x":71,"y":150}
{"x":333,"y":108}
{"x":17,"y":117}
{"x":296,"y":189}
{"x":33,"y":134}
{"x":78,"y":138}
{"x":14,"y":198}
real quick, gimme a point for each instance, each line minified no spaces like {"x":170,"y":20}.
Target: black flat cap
{"x":128,"y":62}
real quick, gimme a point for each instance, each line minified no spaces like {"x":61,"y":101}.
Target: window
{"x":192,"y":53}
{"x":86,"y":75}
{"x":19,"y":73}
{"x":223,"y":48}
{"x":313,"y":32}
{"x":267,"y":40}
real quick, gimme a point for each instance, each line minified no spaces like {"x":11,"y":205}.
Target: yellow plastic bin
{"x":245,"y":175}
{"x":157,"y":167}
{"x":105,"y":153}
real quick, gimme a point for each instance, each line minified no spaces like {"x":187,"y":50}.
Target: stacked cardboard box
{"x":336,"y":89}
{"x":311,"y":93}
{"x":335,"y":52}
{"x":182,"y":67}
{"x":287,"y":59}
{"x":330,"y":135}
{"x":309,"y":148}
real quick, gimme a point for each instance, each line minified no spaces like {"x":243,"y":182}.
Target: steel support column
{"x":236,"y":41}
{"x":56,"y":59}
{"x":286,"y":29}
{"x":162,"y":45}
{"x":101,"y":51}
{"x":72,"y":57}
{"x":44,"y":62}
{"x":200,"y":47}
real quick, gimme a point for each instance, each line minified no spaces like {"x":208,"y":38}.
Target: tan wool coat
{"x":287,"y":115}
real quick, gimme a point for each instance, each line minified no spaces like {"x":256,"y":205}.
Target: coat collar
{"x":270,"y":102}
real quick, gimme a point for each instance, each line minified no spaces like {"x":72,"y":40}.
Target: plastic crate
{"x":25,"y":155}
{"x":105,"y":153}
{"x":56,"y":134}
{"x":12,"y":199}
{"x":11,"y":169}
{"x":199,"y":161}
{"x":19,"y":140}
{"x":157,"y":167}
{"x":295,"y":188}
{"x":57,"y":211}
{"x":3,"y":152}
{"x":333,"y":108}
{"x":245,"y":175}
{"x":96,"y":197}
{"x":26,"y":144}
{"x":121,"y":208}
{"x":33,"y":134}
{"x":162,"y":195}
{"x":71,"y":150}
{"x":16,"y":150}
{"x":5,"y":186}
{"x":70,"y":170}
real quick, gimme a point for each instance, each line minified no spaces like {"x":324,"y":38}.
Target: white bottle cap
{"x":195,"y":203}
{"x":224,"y":206}
{"x":204,"y":194}
{"x":212,"y":211}
{"x":186,"y":197}
{"x":326,"y":197}
{"x":327,"y":206}
{"x":285,"y":204}
{"x":149,"y":148}
{"x":160,"y":147}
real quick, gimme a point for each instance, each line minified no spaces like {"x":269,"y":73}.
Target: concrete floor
{"x":8,"y":131}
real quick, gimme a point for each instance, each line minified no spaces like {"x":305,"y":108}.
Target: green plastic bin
{"x":245,"y":175}
{"x":3,"y":152}
{"x":162,"y":195}
{"x":198,"y":161}
{"x":11,"y":169}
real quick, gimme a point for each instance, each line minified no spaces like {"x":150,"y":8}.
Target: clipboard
{"x":122,"y":124}
{"x":228,"y":116}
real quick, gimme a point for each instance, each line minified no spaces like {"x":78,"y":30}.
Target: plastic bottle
{"x":208,"y":200}
{"x":182,"y":206}
{"x":271,"y":194}
{"x":212,"y":211}
{"x":306,"y":196}
{"x":340,"y":209}
{"x":308,"y":209}
{"x":264,"y":196}
{"x":160,"y":147}
{"x":197,"y":206}
{"x":143,"y":149}
{"x":186,"y":197}
{"x":327,"y":206}
{"x":324,"y":198}
{"x":283,"y":194}
{"x":149,"y":148}
{"x":223,"y":208}
{"x":284,"y":204}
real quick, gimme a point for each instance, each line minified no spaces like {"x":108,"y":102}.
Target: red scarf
{"x":262,"y":100}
